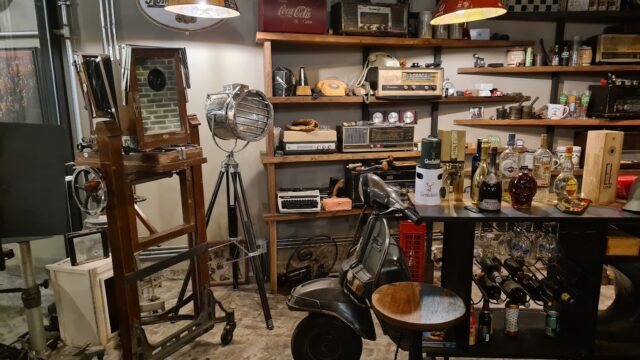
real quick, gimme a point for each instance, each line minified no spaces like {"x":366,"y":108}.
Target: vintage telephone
{"x":332,"y":87}
{"x":377,"y":59}
{"x":381,"y":59}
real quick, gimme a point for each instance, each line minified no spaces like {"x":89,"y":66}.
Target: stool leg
{"x":415,"y":352}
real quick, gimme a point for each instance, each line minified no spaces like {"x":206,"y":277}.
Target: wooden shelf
{"x":289,"y":159}
{"x":275,"y":217}
{"x":316,"y":39}
{"x":573,"y":16}
{"x":548,"y":122}
{"x":374,"y":100}
{"x":595,"y":69}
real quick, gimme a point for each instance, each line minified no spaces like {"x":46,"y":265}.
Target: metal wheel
{"x":89,"y":190}
{"x":324,"y":337}
{"x":227,"y":335}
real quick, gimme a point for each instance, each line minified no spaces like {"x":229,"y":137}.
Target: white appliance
{"x":85,"y":301}
{"x":429,"y":188}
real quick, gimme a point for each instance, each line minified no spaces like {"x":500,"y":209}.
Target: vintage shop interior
{"x":319,"y":179}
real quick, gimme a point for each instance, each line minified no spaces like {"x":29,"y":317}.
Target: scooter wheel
{"x":226,"y":337}
{"x":324,"y":337}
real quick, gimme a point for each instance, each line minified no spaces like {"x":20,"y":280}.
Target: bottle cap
{"x":569,"y":150}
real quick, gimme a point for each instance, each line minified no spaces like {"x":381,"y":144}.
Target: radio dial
{"x":413,"y":87}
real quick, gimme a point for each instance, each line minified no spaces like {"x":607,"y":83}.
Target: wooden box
{"x":601,"y":166}
{"x":453,"y":144}
{"x":293,"y":16}
{"x":620,"y":243}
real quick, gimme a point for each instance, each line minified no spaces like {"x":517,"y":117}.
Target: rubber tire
{"x":226,"y":337}
{"x":324,"y":337}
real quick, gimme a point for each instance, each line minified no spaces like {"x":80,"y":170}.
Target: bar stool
{"x":417,"y":307}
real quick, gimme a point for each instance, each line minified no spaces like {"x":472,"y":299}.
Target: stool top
{"x":418,"y":306}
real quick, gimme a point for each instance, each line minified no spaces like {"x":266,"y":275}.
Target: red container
{"x":293,"y":16}
{"x":413,"y":242}
{"x":624,"y":185}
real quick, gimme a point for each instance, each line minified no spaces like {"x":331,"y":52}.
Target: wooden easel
{"x":120,"y":173}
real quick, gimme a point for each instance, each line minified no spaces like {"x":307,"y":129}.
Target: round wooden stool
{"x":417,"y":307}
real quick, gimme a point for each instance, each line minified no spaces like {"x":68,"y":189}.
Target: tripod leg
{"x":232,"y":221}
{"x":183,"y":289}
{"x":247,"y":228}
{"x":214,"y":196}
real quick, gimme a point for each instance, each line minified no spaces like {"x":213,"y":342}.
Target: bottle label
{"x":509,"y":168}
{"x":489,"y":204}
{"x":572,"y":187}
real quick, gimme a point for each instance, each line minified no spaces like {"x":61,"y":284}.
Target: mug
{"x":557,"y":111}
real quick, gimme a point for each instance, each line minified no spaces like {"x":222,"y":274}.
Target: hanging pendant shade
{"x":460,"y":11}
{"x":215,"y":9}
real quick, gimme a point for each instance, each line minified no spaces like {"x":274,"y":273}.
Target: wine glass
{"x":547,"y":243}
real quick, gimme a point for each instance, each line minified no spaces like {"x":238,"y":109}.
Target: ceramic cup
{"x":557,"y":111}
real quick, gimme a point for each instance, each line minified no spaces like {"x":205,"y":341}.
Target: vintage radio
{"x":401,"y":177}
{"x":314,"y":142}
{"x":295,"y":201}
{"x":368,"y":138}
{"x":397,"y":82}
{"x":614,"y":101}
{"x":366,"y":18}
{"x":618,"y":48}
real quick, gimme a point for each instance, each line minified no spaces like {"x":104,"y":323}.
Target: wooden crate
{"x":622,"y":244}
{"x":601,"y":166}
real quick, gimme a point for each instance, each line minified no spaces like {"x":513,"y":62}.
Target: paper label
{"x":572,"y":187}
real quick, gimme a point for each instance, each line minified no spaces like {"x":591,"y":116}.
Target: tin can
{"x":552,"y":324}
{"x":441,"y":31}
{"x":586,"y":54}
{"x":456,"y":31}
{"x":424,"y":25}
{"x":528,"y":58}
{"x":430,"y":153}
{"x":511,"y":319}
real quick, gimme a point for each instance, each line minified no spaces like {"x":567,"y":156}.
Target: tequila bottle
{"x":482,"y":171}
{"x":542,"y":163}
{"x":566,"y":184}
{"x":509,"y":165}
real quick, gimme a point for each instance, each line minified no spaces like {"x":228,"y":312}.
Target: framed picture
{"x":87,"y":246}
{"x":476,"y":112}
{"x":19,"y":90}
{"x":221,"y":261}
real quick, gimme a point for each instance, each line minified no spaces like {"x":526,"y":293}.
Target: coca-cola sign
{"x":297,"y":16}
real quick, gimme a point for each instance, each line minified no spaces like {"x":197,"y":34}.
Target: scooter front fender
{"x":326,"y":296}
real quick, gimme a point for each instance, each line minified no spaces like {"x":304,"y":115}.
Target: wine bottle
{"x":514,"y":292}
{"x":558,"y":291}
{"x":475,"y":160}
{"x":490,"y":289}
{"x":535,"y":288}
{"x":491,"y":268}
{"x":490,"y":193}
{"x":513,"y":266}
{"x":480,"y":173}
{"x":484,"y":324}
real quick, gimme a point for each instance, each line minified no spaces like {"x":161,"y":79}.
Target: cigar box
{"x":601,"y":166}
{"x":452,"y":146}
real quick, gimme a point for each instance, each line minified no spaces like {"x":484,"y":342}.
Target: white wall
{"x":228,"y":54}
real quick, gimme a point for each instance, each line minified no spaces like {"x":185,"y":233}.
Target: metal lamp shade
{"x":215,"y":9}
{"x":460,"y":11}
{"x":239,"y":113}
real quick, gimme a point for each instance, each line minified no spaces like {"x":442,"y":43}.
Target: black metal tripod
{"x":230,"y":172}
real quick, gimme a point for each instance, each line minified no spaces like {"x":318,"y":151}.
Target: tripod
{"x":230,"y":173}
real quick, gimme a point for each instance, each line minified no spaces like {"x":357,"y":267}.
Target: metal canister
{"x":430,"y":153}
{"x":552,"y":324}
{"x":501,"y":113}
{"x":424,"y":25}
{"x":516,"y":56}
{"x":586,"y":54}
{"x":456,"y":31}
{"x":528,"y":57}
{"x":511,"y":319}
{"x":515,"y":112}
{"x":441,"y":31}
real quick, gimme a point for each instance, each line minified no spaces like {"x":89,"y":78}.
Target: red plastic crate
{"x":413,"y":239}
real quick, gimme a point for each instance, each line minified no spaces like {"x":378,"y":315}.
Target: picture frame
{"x":87,"y":245}
{"x":20,"y":95}
{"x":220,"y":265}
{"x":476,"y":112}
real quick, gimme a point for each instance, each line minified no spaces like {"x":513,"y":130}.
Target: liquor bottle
{"x":564,"y":56}
{"x":542,"y":162}
{"x":554,"y":287}
{"x":514,"y":292}
{"x":489,"y":288}
{"x":480,"y":173}
{"x":566,"y":184}
{"x":475,"y":160}
{"x":522,"y":189}
{"x":483,"y":336}
{"x":555,"y":56}
{"x":491,"y":268}
{"x":490,"y":193}
{"x":572,"y":102}
{"x":509,"y":164}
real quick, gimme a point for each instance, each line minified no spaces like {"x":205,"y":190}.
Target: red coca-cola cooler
{"x":293,"y":16}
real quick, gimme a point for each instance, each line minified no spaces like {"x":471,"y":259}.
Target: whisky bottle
{"x":480,"y":173}
{"x":522,"y":189}
{"x":566,"y":184}
{"x":509,"y":165}
{"x":475,"y":160}
{"x":490,"y":193}
{"x":542,"y":162}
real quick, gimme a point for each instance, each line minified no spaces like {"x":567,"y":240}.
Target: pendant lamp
{"x":460,"y":11}
{"x":215,"y":9}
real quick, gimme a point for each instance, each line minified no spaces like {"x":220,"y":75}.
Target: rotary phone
{"x":332,"y":87}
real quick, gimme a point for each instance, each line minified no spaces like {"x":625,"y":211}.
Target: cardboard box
{"x":453,"y":144}
{"x":601,"y":166}
{"x":293,"y":16}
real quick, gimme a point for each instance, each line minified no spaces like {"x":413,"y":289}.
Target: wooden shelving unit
{"x":573,"y":16}
{"x":549,"y":122}
{"x":521,"y":70}
{"x":291,"y":159}
{"x":374,"y":100}
{"x":309,"y":216}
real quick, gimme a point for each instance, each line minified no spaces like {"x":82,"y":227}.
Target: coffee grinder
{"x":429,"y":189}
{"x":452,"y":156}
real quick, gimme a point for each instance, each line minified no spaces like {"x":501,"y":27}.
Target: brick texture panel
{"x":160,"y":113}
